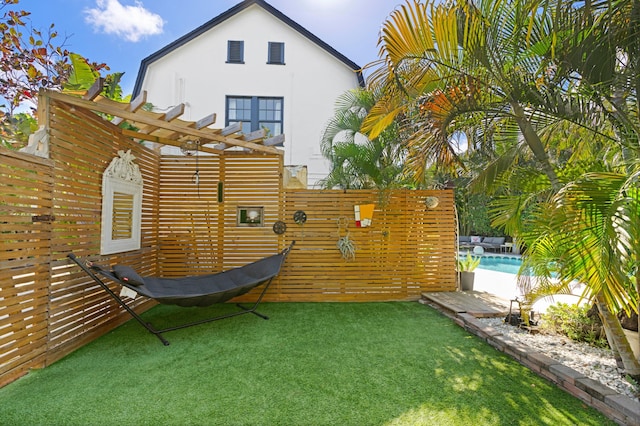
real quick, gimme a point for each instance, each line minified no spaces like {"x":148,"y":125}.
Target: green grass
{"x":310,"y":364}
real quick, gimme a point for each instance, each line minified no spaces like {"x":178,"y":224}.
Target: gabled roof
{"x":226,"y":15}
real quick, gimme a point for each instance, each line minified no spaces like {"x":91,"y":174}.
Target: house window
{"x":235,"y":52}
{"x":255,"y":113}
{"x":276,"y":53}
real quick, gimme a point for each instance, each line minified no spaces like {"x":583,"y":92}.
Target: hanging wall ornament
{"x":300,"y":217}
{"x":190,"y":148}
{"x":431,"y":202}
{"x":279,"y":227}
{"x":363,"y":214}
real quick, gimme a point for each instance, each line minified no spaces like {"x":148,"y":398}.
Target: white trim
{"x":122,"y":176}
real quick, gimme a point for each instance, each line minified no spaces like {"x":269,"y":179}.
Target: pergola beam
{"x":113,"y":108}
{"x":274,"y":141}
{"x":94,"y":90}
{"x":138,"y":102}
{"x":165,"y":141}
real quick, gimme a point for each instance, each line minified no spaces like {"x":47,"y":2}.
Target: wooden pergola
{"x":166,"y":128}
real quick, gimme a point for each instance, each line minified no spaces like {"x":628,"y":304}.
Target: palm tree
{"x":514,"y":69}
{"x":358,"y":162}
{"x":596,"y":233}
{"x":458,"y":65}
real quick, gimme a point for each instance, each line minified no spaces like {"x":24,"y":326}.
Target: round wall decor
{"x":300,"y":217}
{"x":279,"y":227}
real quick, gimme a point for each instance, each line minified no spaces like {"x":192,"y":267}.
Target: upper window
{"x":276,"y":53}
{"x":255,"y":113}
{"x":235,"y":52}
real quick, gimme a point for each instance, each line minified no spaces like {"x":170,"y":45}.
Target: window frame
{"x":255,"y":120}
{"x":270,"y":50}
{"x":230,"y":49}
{"x":110,"y":187}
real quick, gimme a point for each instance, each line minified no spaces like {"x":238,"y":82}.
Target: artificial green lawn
{"x":310,"y":364}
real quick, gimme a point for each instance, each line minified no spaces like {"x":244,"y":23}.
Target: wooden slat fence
{"x":408,"y":248}
{"x":25,"y":238}
{"x":50,"y":207}
{"x":197,"y":223}
{"x":82,"y":146}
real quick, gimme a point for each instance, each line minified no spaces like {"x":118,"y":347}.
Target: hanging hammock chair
{"x":197,"y":290}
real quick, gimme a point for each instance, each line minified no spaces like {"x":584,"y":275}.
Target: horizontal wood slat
{"x":82,"y":146}
{"x":27,"y":183}
{"x":407,"y":249}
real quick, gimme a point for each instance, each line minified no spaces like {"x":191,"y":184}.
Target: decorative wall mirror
{"x":121,"y":205}
{"x":250,"y":216}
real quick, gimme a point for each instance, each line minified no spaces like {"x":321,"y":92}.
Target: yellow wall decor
{"x":364,"y":214}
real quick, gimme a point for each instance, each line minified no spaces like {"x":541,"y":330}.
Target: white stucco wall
{"x":310,"y":81}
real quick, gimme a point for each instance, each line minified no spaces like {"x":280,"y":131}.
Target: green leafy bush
{"x":578,"y":323}
{"x":469,"y":263}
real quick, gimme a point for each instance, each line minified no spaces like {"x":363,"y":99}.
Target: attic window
{"x":276,"y":53}
{"x":235,"y":52}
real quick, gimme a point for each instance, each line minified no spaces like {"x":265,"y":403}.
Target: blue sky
{"x":123,"y":32}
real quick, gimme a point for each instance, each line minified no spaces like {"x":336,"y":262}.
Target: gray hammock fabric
{"x":204,"y":290}
{"x":197,"y":290}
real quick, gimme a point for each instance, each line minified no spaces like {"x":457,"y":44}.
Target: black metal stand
{"x":153,"y":330}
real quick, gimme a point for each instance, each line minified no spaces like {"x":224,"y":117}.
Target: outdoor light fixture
{"x":190,"y":147}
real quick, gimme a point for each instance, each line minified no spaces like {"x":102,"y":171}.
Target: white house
{"x":255,"y":65}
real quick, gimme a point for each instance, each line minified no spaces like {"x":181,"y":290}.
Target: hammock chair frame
{"x":158,"y":332}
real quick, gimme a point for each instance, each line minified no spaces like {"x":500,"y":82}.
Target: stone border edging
{"x":619,"y":408}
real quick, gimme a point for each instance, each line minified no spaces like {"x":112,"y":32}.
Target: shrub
{"x":578,"y":323}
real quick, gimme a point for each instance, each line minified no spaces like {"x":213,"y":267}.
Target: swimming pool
{"x":508,"y":264}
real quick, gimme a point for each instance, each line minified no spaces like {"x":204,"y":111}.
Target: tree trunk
{"x":535,"y":144}
{"x":612,"y":343}
{"x":619,"y":339}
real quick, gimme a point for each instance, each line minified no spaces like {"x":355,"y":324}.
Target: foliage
{"x":579,"y":323}
{"x":514,"y":76}
{"x":468,"y":263}
{"x":358,"y":162}
{"x":15,"y":129}
{"x":473,"y":212}
{"x":30,"y":60}
{"x":588,"y":231}
{"x":465,"y":66}
{"x":83,"y":75}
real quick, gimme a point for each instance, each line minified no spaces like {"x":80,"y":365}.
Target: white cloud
{"x":130,"y":22}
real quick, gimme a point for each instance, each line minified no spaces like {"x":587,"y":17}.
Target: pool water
{"x":508,"y":264}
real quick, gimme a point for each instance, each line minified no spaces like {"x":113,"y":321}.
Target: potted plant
{"x":466,"y":266}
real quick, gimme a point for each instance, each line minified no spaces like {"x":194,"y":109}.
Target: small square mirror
{"x":250,"y":216}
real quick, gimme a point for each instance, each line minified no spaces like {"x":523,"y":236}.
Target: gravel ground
{"x":595,"y":363}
